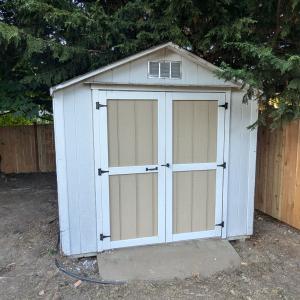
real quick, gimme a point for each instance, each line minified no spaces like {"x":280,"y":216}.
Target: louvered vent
{"x":164,"y":69}
{"x":154,"y":68}
{"x":175,"y":69}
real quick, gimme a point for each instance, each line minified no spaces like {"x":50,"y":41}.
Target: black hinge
{"x":152,"y":169}
{"x":98,"y":105}
{"x":223,"y":165}
{"x":225,"y":105}
{"x":220,"y":224}
{"x":102,"y":236}
{"x":100,"y":172}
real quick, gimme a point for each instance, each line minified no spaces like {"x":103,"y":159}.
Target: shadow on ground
{"x":270,"y":267}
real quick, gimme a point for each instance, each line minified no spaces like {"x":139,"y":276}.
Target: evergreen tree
{"x":46,"y":42}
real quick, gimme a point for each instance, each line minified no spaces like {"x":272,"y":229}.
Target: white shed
{"x":152,"y":149}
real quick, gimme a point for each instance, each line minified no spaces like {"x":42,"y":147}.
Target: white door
{"x":194,"y":152}
{"x":157,"y":161}
{"x":132,"y":150}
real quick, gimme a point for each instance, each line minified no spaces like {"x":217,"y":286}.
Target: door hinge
{"x":225,"y":105}
{"x":99,"y":105}
{"x":102,"y":236}
{"x":223,"y":165}
{"x":220,"y":224}
{"x":100,"y":172}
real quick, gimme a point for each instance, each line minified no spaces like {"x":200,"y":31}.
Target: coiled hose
{"x":87,"y":279}
{"x":82,"y":278}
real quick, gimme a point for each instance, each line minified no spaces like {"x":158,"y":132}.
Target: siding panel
{"x":239,"y":166}
{"x":85,"y":169}
{"x":133,"y":209}
{"x":80,"y":169}
{"x":194,"y":195}
{"x":137,"y":72}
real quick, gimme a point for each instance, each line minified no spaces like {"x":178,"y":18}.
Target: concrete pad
{"x":167,"y":261}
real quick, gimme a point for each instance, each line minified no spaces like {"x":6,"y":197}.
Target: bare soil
{"x":270,"y":267}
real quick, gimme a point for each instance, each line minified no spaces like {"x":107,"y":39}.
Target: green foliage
{"x":45,"y":42}
{"x":11,"y":120}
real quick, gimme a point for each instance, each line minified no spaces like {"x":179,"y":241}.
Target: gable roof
{"x":202,"y":62}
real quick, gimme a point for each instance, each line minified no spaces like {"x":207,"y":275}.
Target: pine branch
{"x":277,"y":28}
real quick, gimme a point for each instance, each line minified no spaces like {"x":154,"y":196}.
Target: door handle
{"x":166,"y":165}
{"x":152,"y":169}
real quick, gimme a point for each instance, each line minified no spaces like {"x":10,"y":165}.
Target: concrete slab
{"x":167,"y":261}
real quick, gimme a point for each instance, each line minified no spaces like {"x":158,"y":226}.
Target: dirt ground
{"x":270,"y":267}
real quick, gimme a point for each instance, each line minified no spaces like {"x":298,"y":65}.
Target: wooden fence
{"x":278,"y":173}
{"x":25,"y":149}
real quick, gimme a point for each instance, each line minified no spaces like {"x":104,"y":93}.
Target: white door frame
{"x":164,"y":156}
{"x":217,"y":231}
{"x":102,"y":149}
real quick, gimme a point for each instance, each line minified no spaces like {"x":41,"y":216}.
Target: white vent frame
{"x":159,"y":73}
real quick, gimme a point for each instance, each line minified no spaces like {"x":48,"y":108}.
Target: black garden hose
{"x":83,"y":278}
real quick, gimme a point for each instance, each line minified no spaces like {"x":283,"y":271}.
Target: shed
{"x":151,"y":149}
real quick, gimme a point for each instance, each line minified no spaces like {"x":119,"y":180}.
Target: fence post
{"x":36,"y":143}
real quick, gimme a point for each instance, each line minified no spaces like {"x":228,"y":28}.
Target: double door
{"x":160,"y":166}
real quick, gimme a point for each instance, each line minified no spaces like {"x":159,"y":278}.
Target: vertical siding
{"x":78,"y":139}
{"x":132,"y":132}
{"x":195,"y":131}
{"x":78,"y":124}
{"x":61,"y":172}
{"x":194,"y":195}
{"x":241,"y":164}
{"x":77,"y":106}
{"x":132,"y":139}
{"x":195,"y":141}
{"x":133,"y":210}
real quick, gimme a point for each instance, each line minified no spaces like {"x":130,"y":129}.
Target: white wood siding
{"x":61,"y":172}
{"x":241,"y":178}
{"x":78,"y":210}
{"x":136,"y":72}
{"x":75,"y":158}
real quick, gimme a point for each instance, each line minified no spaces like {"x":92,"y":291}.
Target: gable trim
{"x":158,"y":85}
{"x":196,"y":59}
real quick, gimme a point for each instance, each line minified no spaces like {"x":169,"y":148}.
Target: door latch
{"x":152,"y":169}
{"x":166,"y":165}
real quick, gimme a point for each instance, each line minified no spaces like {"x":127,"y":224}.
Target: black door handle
{"x":152,"y":169}
{"x":166,"y":165}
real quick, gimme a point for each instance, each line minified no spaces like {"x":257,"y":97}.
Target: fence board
{"x":26,"y":149}
{"x":277,"y":190}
